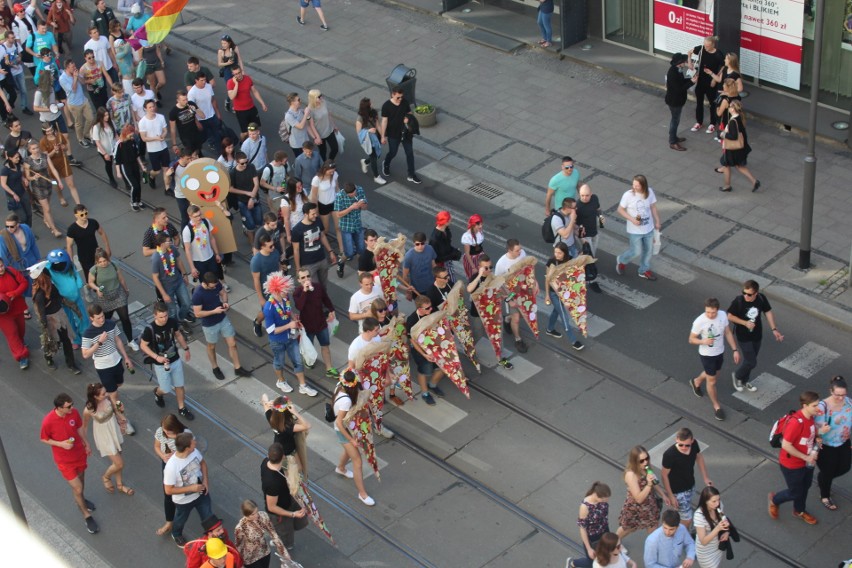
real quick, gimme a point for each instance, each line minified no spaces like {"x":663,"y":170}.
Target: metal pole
{"x":11,"y":488}
{"x":810,"y":158}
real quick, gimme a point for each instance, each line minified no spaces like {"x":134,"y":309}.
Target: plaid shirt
{"x":351,"y":222}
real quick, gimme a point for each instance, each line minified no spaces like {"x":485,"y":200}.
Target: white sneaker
{"x":364,"y":166}
{"x":380,"y":180}
{"x":386,"y":432}
{"x":284,"y":385}
{"x":737,"y":384}
{"x":696,"y":127}
{"x":750,"y":387}
{"x":368,"y":501}
{"x":345,"y":473}
{"x":305,"y":389}
{"x":133,"y":345}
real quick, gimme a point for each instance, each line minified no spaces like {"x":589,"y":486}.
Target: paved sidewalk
{"x":497,"y":114}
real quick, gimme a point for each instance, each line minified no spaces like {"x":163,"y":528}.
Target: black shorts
{"x":159,"y":160}
{"x":111,"y":378}
{"x":325,"y":209}
{"x":712,"y":363}
{"x":244,"y":117}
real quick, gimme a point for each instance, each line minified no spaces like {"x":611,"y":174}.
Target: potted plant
{"x":426,"y":115}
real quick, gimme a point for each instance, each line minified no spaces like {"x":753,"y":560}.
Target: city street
{"x":495,"y":480}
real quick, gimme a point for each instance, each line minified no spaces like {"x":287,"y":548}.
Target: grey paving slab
{"x":378,"y":553}
{"x":785,"y":269}
{"x":278,"y":63}
{"x":488,"y":529}
{"x":255,"y":49}
{"x":447,"y":128}
{"x":517,"y":158}
{"x":308,"y":74}
{"x":748,"y":249}
{"x":697,"y":230}
{"x":478,"y":144}
{"x":515,"y":457}
{"x":340,"y":86}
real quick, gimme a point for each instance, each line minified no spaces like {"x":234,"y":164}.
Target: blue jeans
{"x":393,"y":148}
{"x":798,"y":483}
{"x":559,"y":311}
{"x":181,"y":303}
{"x":352,"y":242}
{"x":544,"y":24}
{"x":641,"y":246}
{"x":280,"y":352}
{"x":674,"y":123}
{"x":202,"y":504}
{"x":212,"y":130}
{"x":252,"y":218}
{"x":21,"y":84}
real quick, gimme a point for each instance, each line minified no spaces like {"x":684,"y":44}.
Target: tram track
{"x":508,"y":404}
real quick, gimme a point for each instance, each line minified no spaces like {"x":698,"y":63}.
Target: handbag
{"x":307,"y":349}
{"x":737,"y":144}
{"x":341,"y":141}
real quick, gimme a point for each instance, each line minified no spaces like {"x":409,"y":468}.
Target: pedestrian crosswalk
{"x":808,"y":360}
{"x":769,"y":389}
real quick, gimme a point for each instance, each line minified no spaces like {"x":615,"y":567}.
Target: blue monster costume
{"x":69,"y":285}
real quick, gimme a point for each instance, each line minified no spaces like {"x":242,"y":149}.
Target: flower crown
{"x":348,"y":384}
{"x":279,"y":284}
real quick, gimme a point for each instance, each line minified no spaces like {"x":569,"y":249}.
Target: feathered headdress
{"x":279,"y":284}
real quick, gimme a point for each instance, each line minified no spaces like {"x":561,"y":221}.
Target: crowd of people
{"x":291,"y":213}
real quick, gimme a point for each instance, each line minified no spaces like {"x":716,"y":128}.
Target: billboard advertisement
{"x":771,"y":34}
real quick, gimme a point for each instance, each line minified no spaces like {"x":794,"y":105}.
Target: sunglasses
{"x":82,"y":213}
{"x":242,"y":163}
{"x":427,"y":308}
{"x":419,"y":244}
{"x":69,"y":407}
{"x":644,"y":460}
{"x":11,"y":227}
{"x":486,"y":268}
{"x":567,"y":167}
{"x":680,"y":445}
{"x":749,"y":293}
{"x":381,"y":311}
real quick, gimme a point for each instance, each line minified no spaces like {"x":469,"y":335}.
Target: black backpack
{"x":329,"y":409}
{"x":547,"y":230}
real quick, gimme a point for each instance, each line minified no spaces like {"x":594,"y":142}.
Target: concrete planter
{"x":428,"y":118}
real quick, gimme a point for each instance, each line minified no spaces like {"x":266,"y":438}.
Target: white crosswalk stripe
{"x":769,"y":389}
{"x":809,"y":359}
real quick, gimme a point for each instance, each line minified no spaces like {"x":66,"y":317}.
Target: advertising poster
{"x":771,"y":40}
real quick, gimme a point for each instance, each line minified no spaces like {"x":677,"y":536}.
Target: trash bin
{"x":406,"y":78}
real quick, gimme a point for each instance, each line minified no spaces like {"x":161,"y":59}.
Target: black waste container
{"x":406,"y":78}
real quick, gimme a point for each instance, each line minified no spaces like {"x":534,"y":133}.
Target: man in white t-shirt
{"x":154,"y":129}
{"x":186,"y":480}
{"x":139,"y":96}
{"x":10,"y":52}
{"x":563,"y":225}
{"x":272,"y":178}
{"x":514,"y":253}
{"x":202,"y":95}
{"x":369,"y":334}
{"x":707,"y":332}
{"x":359,"y":304}
{"x":104,"y":54}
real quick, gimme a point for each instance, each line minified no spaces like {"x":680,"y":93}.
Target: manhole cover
{"x":485,"y":190}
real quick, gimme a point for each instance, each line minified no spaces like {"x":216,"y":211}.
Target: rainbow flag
{"x":160,"y":24}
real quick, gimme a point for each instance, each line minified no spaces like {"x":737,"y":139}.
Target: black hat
{"x":211,"y":523}
{"x":679,"y":58}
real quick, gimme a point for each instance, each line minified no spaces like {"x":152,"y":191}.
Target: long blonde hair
{"x":737,"y":107}
{"x":733,"y":61}
{"x":314,"y":98}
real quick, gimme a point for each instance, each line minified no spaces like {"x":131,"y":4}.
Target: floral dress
{"x":644,"y":515}
{"x":250,"y":536}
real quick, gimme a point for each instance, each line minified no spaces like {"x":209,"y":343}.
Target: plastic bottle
{"x":166,"y":366}
{"x":814,"y":454}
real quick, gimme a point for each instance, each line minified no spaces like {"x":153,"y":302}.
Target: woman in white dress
{"x":611,"y":554}
{"x":324,"y":188}
{"x":711,"y":526}
{"x":106,"y":432}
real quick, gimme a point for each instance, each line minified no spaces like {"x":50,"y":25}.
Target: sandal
{"x":27,"y":315}
{"x":165,"y":529}
{"x":110,"y":488}
{"x":829,"y":504}
{"x":63,"y":202}
{"x":719,"y":170}
{"x":126,"y":490}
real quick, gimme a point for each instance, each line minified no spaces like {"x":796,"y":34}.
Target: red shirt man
{"x":62,"y":429}
{"x":241,"y":89}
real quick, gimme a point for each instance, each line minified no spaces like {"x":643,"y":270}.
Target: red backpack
{"x":776,"y":434}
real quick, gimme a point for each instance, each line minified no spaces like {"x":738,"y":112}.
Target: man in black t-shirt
{"x":367,"y":259}
{"x":276,"y":495}
{"x":184,"y":124}
{"x":396,"y":131}
{"x":679,"y":473}
{"x":310,"y":245}
{"x":744,"y":312}
{"x":159,"y":224}
{"x":245,"y":184}
{"x":160,"y":341}
{"x":84,"y":232}
{"x":427,"y":370}
{"x":440,"y":288}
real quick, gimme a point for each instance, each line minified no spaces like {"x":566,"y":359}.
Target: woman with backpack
{"x":833,"y":424}
{"x":344,"y":397}
{"x":108,"y":283}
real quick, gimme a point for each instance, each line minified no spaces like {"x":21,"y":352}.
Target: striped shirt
{"x":106,"y":355}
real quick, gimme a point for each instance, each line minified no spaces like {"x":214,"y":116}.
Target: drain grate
{"x":485,"y":190}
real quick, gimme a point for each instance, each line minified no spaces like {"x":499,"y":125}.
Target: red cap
{"x":18,"y":8}
{"x":442,"y":218}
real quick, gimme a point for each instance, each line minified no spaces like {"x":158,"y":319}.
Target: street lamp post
{"x":11,"y":488}
{"x":810,"y":158}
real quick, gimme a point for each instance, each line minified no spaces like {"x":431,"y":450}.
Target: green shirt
{"x":564,"y":186}
{"x":106,"y":277}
